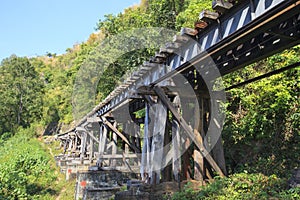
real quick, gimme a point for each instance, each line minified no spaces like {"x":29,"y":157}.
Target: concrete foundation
{"x":100,"y":184}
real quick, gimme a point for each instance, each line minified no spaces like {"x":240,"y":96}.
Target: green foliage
{"x":261,"y":132}
{"x":151,"y":13}
{"x":24,"y":168}
{"x":241,"y":186}
{"x":21,"y":94}
{"x":190,"y":15}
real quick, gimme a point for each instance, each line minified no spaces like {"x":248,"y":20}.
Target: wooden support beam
{"x":186,"y":156}
{"x":100,"y":141}
{"x":102,"y":144}
{"x":157,"y":147}
{"x":114,"y":129}
{"x":208,"y":16}
{"x":176,"y":143}
{"x":189,"y":131}
{"x":83,"y":145}
{"x":218,"y":150}
{"x":92,"y":136}
{"x":91,"y":149}
{"x":221,"y":6}
{"x":114,"y":146}
{"x":167,"y":170}
{"x":199,"y":167}
{"x":145,"y":161}
{"x":88,"y":132}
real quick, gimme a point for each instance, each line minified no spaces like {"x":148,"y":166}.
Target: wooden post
{"x":137,"y":131}
{"x":121,"y":135}
{"x":187,"y":128}
{"x":157,"y":147}
{"x":75,"y":143}
{"x":126,"y":131}
{"x":114,"y":147}
{"x":91,"y":150}
{"x":218,"y":151}
{"x":102,"y":143}
{"x":145,"y":161}
{"x":100,"y":140}
{"x":176,"y":143}
{"x":167,"y":170}
{"x":186,"y":165}
{"x":199,"y":169}
{"x":83,"y":145}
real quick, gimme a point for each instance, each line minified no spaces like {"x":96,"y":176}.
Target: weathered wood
{"x":114,"y":146}
{"x":167,"y":170}
{"x":199,"y":168}
{"x":221,"y":6}
{"x":119,"y":156}
{"x":176,"y":143}
{"x":90,"y":133}
{"x":186,"y":156}
{"x":119,"y":133}
{"x":208,"y":16}
{"x":190,"y":132}
{"x":83,"y":145}
{"x":126,"y":131}
{"x":91,"y":149}
{"x":218,"y":150}
{"x":102,"y":144}
{"x":145,"y":161}
{"x":198,"y":165}
{"x":100,"y":140}
{"x":157,"y":147}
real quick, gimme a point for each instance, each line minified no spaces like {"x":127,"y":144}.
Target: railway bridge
{"x":164,"y":122}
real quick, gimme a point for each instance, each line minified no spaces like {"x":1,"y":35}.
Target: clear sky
{"x":34,"y":27}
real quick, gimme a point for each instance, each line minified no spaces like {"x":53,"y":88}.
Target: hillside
{"x":261,"y":133}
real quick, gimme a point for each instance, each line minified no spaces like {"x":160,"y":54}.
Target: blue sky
{"x":34,"y":27}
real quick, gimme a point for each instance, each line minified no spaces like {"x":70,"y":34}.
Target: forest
{"x":261,"y":133}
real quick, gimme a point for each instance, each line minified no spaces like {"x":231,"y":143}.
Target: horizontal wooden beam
{"x":117,"y":156}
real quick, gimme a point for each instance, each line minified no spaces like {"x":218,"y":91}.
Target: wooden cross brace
{"x":195,"y":136}
{"x":114,"y":129}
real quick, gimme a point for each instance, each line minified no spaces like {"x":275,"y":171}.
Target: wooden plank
{"x":120,"y":156}
{"x":189,"y":131}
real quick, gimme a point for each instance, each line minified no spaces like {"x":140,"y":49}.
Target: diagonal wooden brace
{"x":195,"y":137}
{"x":85,"y":130}
{"x":114,"y":129}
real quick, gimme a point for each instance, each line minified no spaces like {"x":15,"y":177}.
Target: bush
{"x":242,"y":186}
{"x":24,"y":168}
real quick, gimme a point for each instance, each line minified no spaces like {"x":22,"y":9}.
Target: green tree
{"x":21,"y":91}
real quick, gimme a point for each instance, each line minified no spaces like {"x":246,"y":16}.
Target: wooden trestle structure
{"x":171,"y":141}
